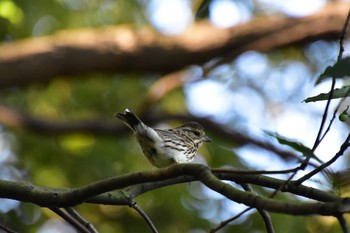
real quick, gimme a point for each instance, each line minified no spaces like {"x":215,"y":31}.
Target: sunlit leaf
{"x":10,"y":11}
{"x":77,"y":144}
{"x":50,"y":175}
{"x":337,"y":93}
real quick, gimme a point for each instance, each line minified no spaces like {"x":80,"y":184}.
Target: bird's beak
{"x":206,"y":139}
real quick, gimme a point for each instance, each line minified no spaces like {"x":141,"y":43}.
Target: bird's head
{"x":195,"y":131}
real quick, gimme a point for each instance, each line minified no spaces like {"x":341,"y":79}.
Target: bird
{"x":164,"y":147}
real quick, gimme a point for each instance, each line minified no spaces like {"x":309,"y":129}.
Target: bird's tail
{"x":129,"y":119}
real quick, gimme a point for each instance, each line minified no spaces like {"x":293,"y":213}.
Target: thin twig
{"x":343,"y":148}
{"x":6,"y":229}
{"x":67,"y":217}
{"x":81,"y":219}
{"x":335,"y":114}
{"x":264,"y":214}
{"x":267,"y":220}
{"x":256,"y":172}
{"x":343,"y":224}
{"x":149,"y":222}
{"x":319,"y":138}
{"x":342,"y":37}
{"x":224,"y":223}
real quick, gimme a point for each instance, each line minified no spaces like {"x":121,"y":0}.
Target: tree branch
{"x":55,"y":197}
{"x":144,"y":216}
{"x":6,"y":229}
{"x":240,"y":177}
{"x":323,"y":166}
{"x":227,"y":221}
{"x":343,"y":224}
{"x":125,"y":49}
{"x":80,"y":219}
{"x":71,"y":220}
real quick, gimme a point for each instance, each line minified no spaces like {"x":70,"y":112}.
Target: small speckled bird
{"x":164,"y":147}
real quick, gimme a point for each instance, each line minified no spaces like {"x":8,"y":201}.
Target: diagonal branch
{"x":227,"y":221}
{"x":74,"y":214}
{"x":6,"y":229}
{"x":319,"y":136}
{"x":323,"y":166}
{"x":126,"y":49}
{"x":149,"y":222}
{"x":343,"y":224}
{"x":71,"y":219}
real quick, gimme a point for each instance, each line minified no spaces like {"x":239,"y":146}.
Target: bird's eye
{"x":197,"y":133}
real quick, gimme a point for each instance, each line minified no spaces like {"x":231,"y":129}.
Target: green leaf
{"x":291,"y":143}
{"x":306,"y":151}
{"x":337,"y":93}
{"x":10,"y":11}
{"x":344,"y":116}
{"x":339,"y":70}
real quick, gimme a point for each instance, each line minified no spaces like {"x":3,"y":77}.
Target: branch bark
{"x":61,"y":197}
{"x":125,"y":49}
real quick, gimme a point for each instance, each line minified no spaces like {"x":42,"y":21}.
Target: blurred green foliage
{"x":78,"y":159}
{"x":21,"y":18}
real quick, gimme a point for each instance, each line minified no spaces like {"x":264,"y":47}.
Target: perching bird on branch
{"x":164,"y":147}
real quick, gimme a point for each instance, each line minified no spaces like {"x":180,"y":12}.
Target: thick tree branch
{"x":54,"y":197}
{"x":239,"y":177}
{"x":125,"y":49}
